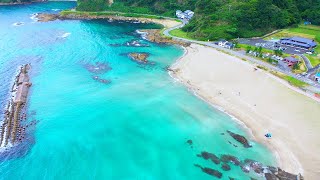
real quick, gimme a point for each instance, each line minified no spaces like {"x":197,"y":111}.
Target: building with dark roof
{"x":290,"y":60}
{"x":299,"y":42}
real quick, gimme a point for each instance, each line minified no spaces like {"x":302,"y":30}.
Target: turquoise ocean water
{"x":136,"y":127}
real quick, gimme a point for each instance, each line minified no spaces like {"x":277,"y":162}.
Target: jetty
{"x":11,"y":131}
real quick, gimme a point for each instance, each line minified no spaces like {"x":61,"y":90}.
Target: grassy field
{"x":180,"y":33}
{"x":307,"y":31}
{"x":293,"y":81}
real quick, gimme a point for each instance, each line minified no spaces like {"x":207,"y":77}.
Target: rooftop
{"x":304,"y":40}
{"x":318,"y":74}
{"x":291,"y":59}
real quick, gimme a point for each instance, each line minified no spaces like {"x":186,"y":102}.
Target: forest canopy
{"x":216,"y":19}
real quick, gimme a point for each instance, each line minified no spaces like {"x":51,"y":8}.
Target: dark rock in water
{"x":231,"y":178}
{"x":251,"y":178}
{"x":115,"y":45}
{"x":240,"y":139}
{"x":211,"y":156}
{"x":245,"y":168}
{"x":270,"y":176}
{"x":222,"y":133}
{"x":189,"y":142}
{"x":272,"y":169}
{"x":286,"y":176}
{"x":139,"y":57}
{"x":254,"y":165}
{"x":230,"y":158}
{"x":104,"y":81}
{"x":225,"y":167}
{"x":98,"y":68}
{"x":210,"y":171}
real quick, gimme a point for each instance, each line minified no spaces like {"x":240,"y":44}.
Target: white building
{"x":187,"y":15}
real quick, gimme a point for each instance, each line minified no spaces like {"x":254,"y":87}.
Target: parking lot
{"x":272,"y":45}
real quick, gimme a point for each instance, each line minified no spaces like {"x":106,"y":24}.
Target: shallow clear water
{"x":134,"y":128}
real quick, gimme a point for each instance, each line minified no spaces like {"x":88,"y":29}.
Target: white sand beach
{"x":262,"y":102}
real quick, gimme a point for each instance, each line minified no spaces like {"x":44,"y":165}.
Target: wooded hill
{"x":216,"y":19}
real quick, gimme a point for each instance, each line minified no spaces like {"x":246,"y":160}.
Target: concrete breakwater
{"x":11,"y":131}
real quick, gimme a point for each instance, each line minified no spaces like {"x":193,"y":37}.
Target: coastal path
{"x":242,"y":56}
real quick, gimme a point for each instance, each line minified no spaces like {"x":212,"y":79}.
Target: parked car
{"x":308,"y":52}
{"x":297,"y":50}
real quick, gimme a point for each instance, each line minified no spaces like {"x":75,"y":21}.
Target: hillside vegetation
{"x":216,"y":19}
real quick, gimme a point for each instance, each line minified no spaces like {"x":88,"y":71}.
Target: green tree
{"x":296,"y":66}
{"x":248,"y":49}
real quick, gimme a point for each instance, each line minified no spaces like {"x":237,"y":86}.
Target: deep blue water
{"x":135,"y":127}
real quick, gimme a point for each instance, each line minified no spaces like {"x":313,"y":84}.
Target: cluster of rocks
{"x":139,"y":57}
{"x":248,"y":165}
{"x":155,"y":35}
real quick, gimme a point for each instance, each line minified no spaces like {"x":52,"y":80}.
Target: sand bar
{"x":261,"y":101}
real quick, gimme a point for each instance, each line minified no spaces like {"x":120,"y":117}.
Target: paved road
{"x":242,"y":56}
{"x":307,"y":62}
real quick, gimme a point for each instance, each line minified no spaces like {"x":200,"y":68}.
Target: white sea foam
{"x":65,"y":35}
{"x":18,"y":24}
{"x":55,"y":9}
{"x":34,"y":17}
{"x":143,"y":34}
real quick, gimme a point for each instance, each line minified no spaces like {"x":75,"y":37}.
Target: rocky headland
{"x":155,"y":35}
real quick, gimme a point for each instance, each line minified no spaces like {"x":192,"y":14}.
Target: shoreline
{"x":109,"y":16}
{"x":285,"y":157}
{"x":194,"y":90}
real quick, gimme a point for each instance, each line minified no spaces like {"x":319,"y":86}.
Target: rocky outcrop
{"x":229,"y":158}
{"x":240,"y":139}
{"x":210,"y":171}
{"x":210,"y":156}
{"x":281,"y":174}
{"x":225,"y":167}
{"x":42,"y":17}
{"x":155,"y":35}
{"x":139,"y":57}
{"x":247,"y":166}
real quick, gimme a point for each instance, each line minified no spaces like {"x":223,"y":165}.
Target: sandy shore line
{"x":261,"y":101}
